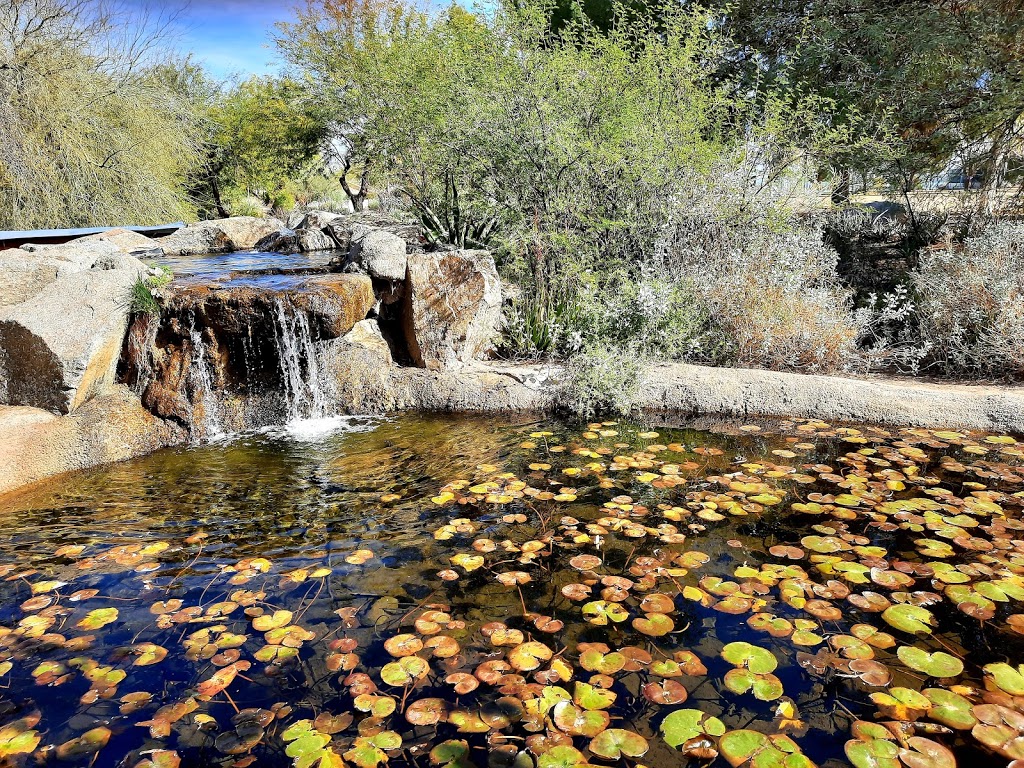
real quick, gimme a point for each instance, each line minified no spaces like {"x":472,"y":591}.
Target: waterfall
{"x":302,"y":385}
{"x":202,"y":380}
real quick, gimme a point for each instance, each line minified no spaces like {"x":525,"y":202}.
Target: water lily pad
{"x":426,"y":711}
{"x":766,"y":687}
{"x":902,"y":703}
{"x":605,"y":663}
{"x":683,"y":725}
{"x":654,"y":624}
{"x":950,"y":708}
{"x":1006,"y":678}
{"x":562,"y":756}
{"x":925,"y":753}
{"x":574,"y":721}
{"x":937,"y":664}
{"x":601,"y":612}
{"x":403,"y":645}
{"x":617,"y":742}
{"x":909,"y":618}
{"x":454,"y":752}
{"x":89,"y":743}
{"x":269,"y":621}
{"x":404,"y":671}
{"x":590,"y":697}
{"x":98,"y":618}
{"x":528,"y":656}
{"x":757,"y":660}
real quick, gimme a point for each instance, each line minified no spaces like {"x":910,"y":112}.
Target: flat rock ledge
{"x":36,"y":444}
{"x":693,"y":390}
{"x":740,"y":392}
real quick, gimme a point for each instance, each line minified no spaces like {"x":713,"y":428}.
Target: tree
{"x":927,"y":78}
{"x":340,"y":51}
{"x":87,"y":134}
{"x":265,"y":133}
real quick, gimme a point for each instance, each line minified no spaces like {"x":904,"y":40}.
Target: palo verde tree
{"x":87,"y":134}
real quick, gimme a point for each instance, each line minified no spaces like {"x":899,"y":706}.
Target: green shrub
{"x":969,"y":304}
{"x":283,"y":202}
{"x":602,"y":381}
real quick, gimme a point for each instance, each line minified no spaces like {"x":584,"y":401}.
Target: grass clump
{"x":141,"y":296}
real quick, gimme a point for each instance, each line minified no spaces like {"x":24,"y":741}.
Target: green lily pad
{"x":590,"y":697}
{"x":616,"y":742}
{"x":404,"y":671}
{"x":685,"y":724}
{"x":764,"y":687}
{"x":605,"y":663}
{"x":601,"y":612}
{"x":950,"y":708}
{"x":937,"y":664}
{"x":98,"y":618}
{"x":454,"y":752}
{"x":1007,"y":678}
{"x":562,"y":756}
{"x":758,"y":660}
{"x":873,"y":753}
{"x":909,"y":618}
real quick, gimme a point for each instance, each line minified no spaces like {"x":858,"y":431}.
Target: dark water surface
{"x":230,"y":604}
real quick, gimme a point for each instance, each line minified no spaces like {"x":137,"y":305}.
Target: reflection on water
{"x":238,"y":603}
{"x":216,"y":265}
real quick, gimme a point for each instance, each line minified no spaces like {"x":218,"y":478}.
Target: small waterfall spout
{"x":201,"y":372}
{"x":301,"y":382}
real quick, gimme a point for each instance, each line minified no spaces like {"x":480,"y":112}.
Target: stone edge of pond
{"x":36,"y":445}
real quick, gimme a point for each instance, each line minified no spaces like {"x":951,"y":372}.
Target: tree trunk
{"x":358,"y":197}
{"x":841,"y":187}
{"x":222,"y":212}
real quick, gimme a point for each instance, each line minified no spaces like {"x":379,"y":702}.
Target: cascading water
{"x":202,"y":381}
{"x":301,"y":382}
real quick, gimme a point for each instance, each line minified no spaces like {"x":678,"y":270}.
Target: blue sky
{"x":231,"y":36}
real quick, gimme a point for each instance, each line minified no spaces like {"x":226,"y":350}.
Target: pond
{"x":455,"y":591}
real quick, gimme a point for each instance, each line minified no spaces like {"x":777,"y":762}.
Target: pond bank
{"x":35,"y":444}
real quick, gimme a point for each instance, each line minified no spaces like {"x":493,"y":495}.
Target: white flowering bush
{"x":774,"y":293}
{"x":970,"y":304}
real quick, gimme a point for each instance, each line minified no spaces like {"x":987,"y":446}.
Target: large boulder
{"x":24,"y":274}
{"x":36,"y":444}
{"x":296,"y":241}
{"x":452,"y":306}
{"x":203,"y":237}
{"x":245,"y":231}
{"x":382,"y":254}
{"x":127,"y":241}
{"x":317,"y":220}
{"x":60,"y":346}
{"x":335,"y":303}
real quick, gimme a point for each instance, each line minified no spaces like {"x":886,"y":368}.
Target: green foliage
{"x":602,"y":381}
{"x":89,"y":135}
{"x":264,"y":134}
{"x":141,"y":298}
